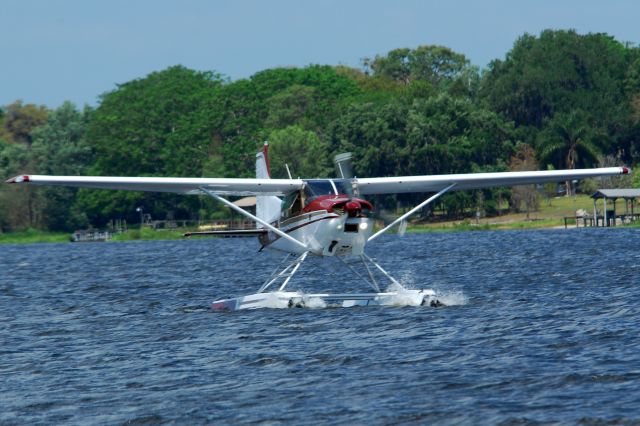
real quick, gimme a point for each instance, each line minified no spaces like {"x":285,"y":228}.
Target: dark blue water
{"x":117,"y":333}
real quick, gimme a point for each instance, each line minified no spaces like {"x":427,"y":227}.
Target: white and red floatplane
{"x":320,"y":217}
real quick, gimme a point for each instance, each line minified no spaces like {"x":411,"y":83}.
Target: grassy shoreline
{"x":549,"y":216}
{"x":34,"y":236}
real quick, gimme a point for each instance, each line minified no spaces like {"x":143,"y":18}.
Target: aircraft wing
{"x":403,"y":184}
{"x":222,"y":186}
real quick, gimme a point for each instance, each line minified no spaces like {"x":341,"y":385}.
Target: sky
{"x":57,"y":50}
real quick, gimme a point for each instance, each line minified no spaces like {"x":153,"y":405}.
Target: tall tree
{"x":441,"y":134}
{"x":310,"y":97}
{"x":19,"y":120}
{"x":432,"y":64}
{"x":303,"y":151}
{"x":239,"y":113}
{"x":160,"y":125}
{"x":17,"y":210}
{"x":290,"y":106}
{"x":557,"y":72}
{"x":60,"y":148}
{"x":569,"y":141}
{"x":524,"y":197}
{"x":406,"y":136}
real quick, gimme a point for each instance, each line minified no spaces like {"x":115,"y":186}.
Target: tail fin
{"x":267,"y":206}
{"x":262,"y":163}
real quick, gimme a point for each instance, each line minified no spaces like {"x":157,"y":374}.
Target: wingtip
{"x":626,"y":170}
{"x":18,"y":179}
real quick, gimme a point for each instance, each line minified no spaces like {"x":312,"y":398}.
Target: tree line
{"x":557,"y":100}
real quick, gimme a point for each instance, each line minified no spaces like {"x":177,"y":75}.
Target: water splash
{"x":314,"y":303}
{"x":403,"y":298}
{"x":452,"y":298}
{"x":406,"y":294}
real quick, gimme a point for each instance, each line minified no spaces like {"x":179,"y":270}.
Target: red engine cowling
{"x":354,"y":207}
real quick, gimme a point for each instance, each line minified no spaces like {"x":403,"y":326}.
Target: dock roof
{"x":617,"y":193}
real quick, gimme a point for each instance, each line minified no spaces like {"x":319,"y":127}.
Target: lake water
{"x":544,"y":328}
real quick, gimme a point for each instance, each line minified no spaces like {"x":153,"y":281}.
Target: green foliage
{"x":558,"y":72}
{"x":148,"y":234}
{"x":456,"y":204}
{"x":160,"y":125}
{"x":524,"y":198}
{"x":569,"y":140}
{"x":438,"y":135}
{"x":30,"y":236}
{"x":303,"y":152}
{"x":290,"y":106}
{"x":573,"y":98}
{"x":17,"y":205}
{"x":60,"y":148}
{"x":426,"y":71}
{"x":310,"y":97}
{"x":432,"y":64}
{"x":407,"y":136}
{"x":18,"y":121}
{"x":237,"y":133}
{"x":636,"y":180}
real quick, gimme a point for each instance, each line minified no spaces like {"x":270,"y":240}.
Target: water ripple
{"x":543,"y":331}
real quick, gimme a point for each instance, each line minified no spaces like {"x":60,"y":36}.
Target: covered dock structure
{"x":611,"y":217}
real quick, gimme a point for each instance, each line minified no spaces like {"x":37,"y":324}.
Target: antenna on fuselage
{"x":288,"y":171}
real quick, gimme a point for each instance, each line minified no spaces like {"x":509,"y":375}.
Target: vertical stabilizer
{"x":262,"y":163}
{"x":267,"y":206}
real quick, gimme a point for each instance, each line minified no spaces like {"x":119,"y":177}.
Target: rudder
{"x":267,"y":206}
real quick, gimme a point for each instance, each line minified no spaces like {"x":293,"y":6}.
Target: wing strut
{"x":254,"y":218}
{"x":412,"y":211}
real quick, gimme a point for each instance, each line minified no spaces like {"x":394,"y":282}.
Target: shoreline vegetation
{"x":550,"y":216}
{"x":557,"y":100}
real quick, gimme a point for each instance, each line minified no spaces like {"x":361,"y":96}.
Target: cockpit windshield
{"x":343,"y":186}
{"x":317,"y":187}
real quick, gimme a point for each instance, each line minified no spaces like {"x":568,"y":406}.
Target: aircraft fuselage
{"x":325,"y":216}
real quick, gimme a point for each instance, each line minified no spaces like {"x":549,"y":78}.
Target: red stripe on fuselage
{"x":288,"y":231}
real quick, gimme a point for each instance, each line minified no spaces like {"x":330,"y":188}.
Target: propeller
{"x":344,"y":167}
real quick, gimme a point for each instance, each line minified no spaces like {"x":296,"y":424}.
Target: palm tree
{"x":569,"y":138}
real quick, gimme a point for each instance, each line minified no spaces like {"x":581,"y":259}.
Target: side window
{"x":291,"y":204}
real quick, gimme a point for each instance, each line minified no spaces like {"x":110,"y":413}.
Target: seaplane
{"x":327,"y":218}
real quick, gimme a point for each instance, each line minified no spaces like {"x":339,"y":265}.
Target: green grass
{"x":550,"y":215}
{"x":34,"y":236}
{"x":148,"y":234}
{"x":469,"y":226}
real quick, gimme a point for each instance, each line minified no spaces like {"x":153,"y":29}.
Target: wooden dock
{"x":610,"y":220}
